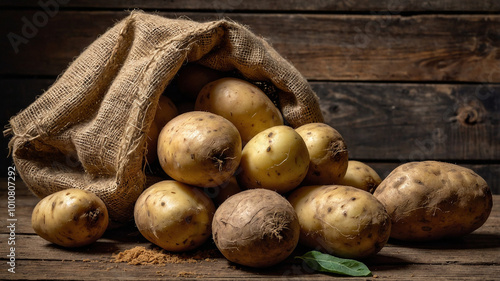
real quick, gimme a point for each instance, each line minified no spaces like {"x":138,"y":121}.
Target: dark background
{"x":400,"y":80}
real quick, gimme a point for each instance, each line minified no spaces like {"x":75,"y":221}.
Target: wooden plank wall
{"x":400,"y":80}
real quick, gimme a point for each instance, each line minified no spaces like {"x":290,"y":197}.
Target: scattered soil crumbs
{"x":140,"y":255}
{"x":184,"y":274}
{"x":89,"y":260}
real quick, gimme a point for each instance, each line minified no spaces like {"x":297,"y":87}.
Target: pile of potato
{"x":236,"y":172}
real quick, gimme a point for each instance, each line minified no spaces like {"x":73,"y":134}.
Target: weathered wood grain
{"x":414,"y":121}
{"x":486,"y":239}
{"x":226,"y":6}
{"x":474,"y":257}
{"x":380,"y":121}
{"x":53,"y":270}
{"x":321,"y":46}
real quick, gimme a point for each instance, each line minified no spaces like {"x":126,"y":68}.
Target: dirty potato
{"x":361,"y":176}
{"x":256,"y":228}
{"x":70,"y":218}
{"x":341,"y":220}
{"x":275,"y":159}
{"x":430,"y":200}
{"x":327,"y":151}
{"x":242,"y":103}
{"x":199,"y":148}
{"x":174,"y":216}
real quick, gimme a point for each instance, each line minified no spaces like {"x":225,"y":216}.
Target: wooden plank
{"x":45,"y":270}
{"x":473,"y":257}
{"x":34,"y":251}
{"x":484,"y":240}
{"x":226,"y":6}
{"x":410,"y":122}
{"x":321,"y":46}
{"x":392,"y":122}
{"x":415,"y":272}
{"x":220,"y":269}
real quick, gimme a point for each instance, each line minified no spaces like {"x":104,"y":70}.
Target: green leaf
{"x":330,"y":264}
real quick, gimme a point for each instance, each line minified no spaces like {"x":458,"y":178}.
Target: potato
{"x":165,"y":112}
{"x":341,"y":220}
{"x":256,"y":228}
{"x":70,"y":218}
{"x":152,"y":143}
{"x":199,"y":148}
{"x":242,"y":103}
{"x":192,"y":77}
{"x":174,"y":216}
{"x":275,"y":159}
{"x":430,"y":200}
{"x":361,"y":176}
{"x":328,"y":153}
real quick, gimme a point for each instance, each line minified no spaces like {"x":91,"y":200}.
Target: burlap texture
{"x":88,"y":129}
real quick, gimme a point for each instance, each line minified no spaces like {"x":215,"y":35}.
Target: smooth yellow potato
{"x":242,"y":103}
{"x":256,"y":228}
{"x":361,"y":176}
{"x":174,"y":216}
{"x":70,"y":218}
{"x":341,"y":220}
{"x":327,"y":151}
{"x":275,"y":159}
{"x":431,"y":200}
{"x":199,"y":148}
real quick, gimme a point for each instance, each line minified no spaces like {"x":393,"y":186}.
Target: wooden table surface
{"x":473,"y":257}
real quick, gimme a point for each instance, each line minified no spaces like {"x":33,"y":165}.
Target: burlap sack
{"x":88,"y":129}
